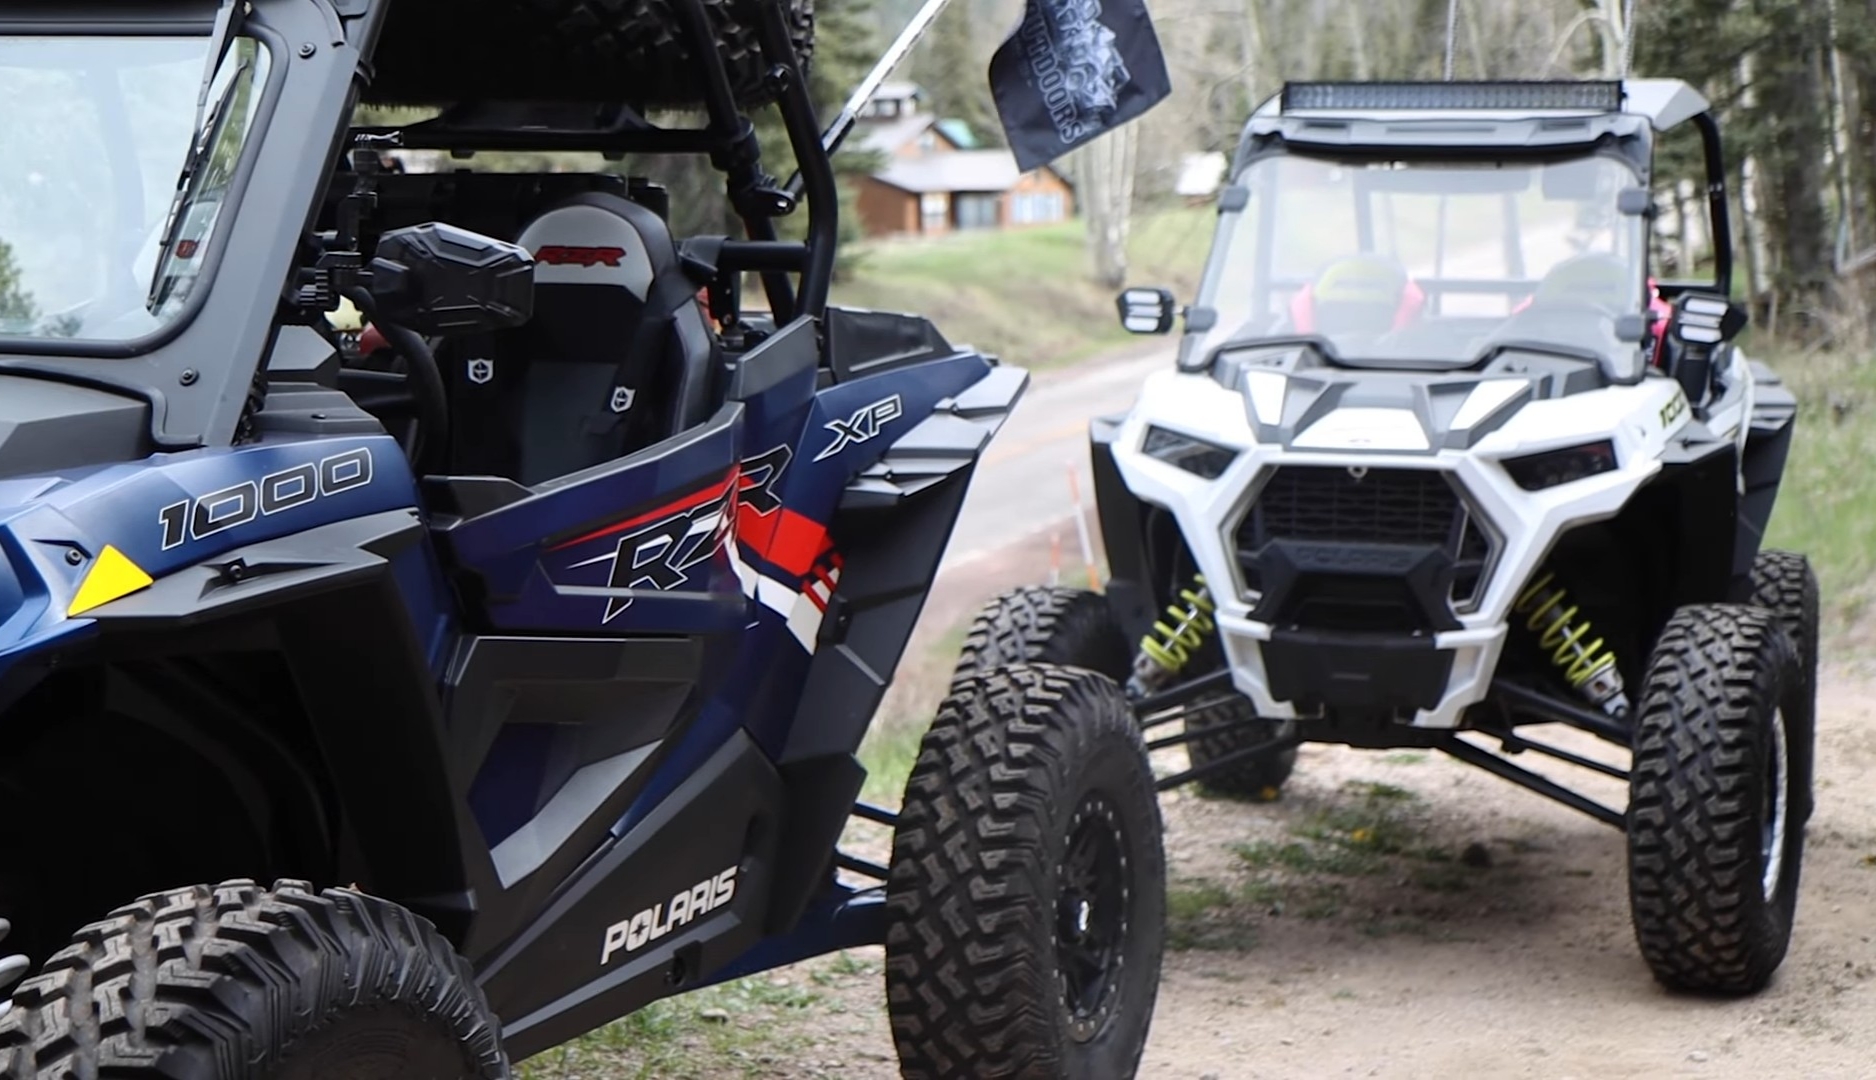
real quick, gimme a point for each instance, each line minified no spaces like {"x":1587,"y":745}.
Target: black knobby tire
{"x":1044,"y":624}
{"x":636,"y":51}
{"x":1258,"y":778}
{"x":233,"y":982}
{"x":1027,"y":890}
{"x":1715,"y":850}
{"x":1784,"y":584}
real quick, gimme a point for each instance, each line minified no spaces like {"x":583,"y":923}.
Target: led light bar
{"x":1514,"y":96}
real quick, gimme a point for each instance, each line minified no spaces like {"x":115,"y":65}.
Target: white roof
{"x":962,"y":170}
{"x":1200,"y":174}
{"x":887,"y":136}
{"x":899,"y":89}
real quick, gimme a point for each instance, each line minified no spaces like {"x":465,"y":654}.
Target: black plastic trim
{"x":549,"y":985}
{"x":1359,"y":672}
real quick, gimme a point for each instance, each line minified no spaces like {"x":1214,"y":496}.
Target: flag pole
{"x":837,"y":131}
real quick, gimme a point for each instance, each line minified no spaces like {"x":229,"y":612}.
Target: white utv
{"x":1439,"y":456}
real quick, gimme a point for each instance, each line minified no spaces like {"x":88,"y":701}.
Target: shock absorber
{"x":1588,"y":666}
{"x":1169,"y":647}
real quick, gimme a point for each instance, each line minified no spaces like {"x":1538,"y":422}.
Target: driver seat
{"x":1359,"y":294}
{"x":616,"y":357}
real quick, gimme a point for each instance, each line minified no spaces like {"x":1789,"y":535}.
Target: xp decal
{"x":665,"y":916}
{"x":864,"y":425}
{"x":236,"y":505}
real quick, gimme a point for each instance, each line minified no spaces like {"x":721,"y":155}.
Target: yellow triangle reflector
{"x":112,"y":577}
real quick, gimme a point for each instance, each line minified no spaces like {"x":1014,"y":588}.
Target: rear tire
{"x":1784,"y":584}
{"x":1715,"y":834}
{"x":1042,"y":624}
{"x":233,"y":982}
{"x":1259,"y":778}
{"x":1027,"y":892}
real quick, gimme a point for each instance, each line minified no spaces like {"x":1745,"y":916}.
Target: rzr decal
{"x":288,"y":489}
{"x":564,"y":255}
{"x":661,"y":554}
{"x":866,"y":423}
{"x":761,"y":475}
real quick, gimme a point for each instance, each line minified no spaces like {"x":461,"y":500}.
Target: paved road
{"x":1022,"y":486}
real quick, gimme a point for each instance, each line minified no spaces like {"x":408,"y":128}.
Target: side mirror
{"x":1698,"y":325}
{"x":1147,"y":311}
{"x":1704,"y":319}
{"x":439,"y":279}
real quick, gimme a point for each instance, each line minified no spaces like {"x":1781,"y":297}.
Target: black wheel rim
{"x":1775,"y":808}
{"x":1091,"y":916}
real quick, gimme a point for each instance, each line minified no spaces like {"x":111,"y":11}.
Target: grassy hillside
{"x":1827,"y":504}
{"x":1025,"y":294}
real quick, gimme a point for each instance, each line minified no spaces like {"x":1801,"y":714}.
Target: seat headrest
{"x":598,"y":239}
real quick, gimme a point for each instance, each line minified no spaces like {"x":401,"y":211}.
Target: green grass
{"x":1827,"y":503}
{"x":737,"y":1029}
{"x":888,"y":753}
{"x":1027,"y":294}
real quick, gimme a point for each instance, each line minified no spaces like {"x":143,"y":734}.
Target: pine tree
{"x":16,"y":304}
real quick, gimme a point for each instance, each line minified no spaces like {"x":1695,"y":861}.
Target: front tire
{"x":1027,"y":889}
{"x":1715,"y":825}
{"x":233,"y":982}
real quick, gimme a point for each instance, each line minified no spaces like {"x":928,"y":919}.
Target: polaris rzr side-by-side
{"x":403,"y":697}
{"x":1441,"y":461}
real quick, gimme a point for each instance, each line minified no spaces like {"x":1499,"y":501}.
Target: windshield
{"x":1417,"y":263}
{"x":92,"y":154}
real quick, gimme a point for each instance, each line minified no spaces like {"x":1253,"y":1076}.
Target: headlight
{"x":1195,"y":456}
{"x":1535,"y":472}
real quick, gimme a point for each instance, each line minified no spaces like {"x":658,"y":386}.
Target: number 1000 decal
{"x":238,"y":504}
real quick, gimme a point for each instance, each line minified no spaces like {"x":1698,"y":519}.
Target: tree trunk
{"x":1789,"y":89}
{"x":1106,"y":193}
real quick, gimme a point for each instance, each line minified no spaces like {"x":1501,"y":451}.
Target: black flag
{"x":1073,"y":70}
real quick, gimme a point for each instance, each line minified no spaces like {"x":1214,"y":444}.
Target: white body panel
{"x":1640,"y":419}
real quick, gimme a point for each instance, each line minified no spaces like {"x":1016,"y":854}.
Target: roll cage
{"x":1501,"y":119}
{"x":267,"y":267}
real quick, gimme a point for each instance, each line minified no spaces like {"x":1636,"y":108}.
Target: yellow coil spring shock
{"x":1167,"y":650}
{"x":1586,"y":665}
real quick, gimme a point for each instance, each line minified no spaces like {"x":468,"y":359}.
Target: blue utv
{"x":405,"y":696}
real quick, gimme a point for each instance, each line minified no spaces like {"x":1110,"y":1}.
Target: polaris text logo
{"x":862,"y":425}
{"x":660,"y":919}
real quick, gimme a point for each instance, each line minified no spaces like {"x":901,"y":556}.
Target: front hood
{"x":49,"y":427}
{"x":1299,"y":405}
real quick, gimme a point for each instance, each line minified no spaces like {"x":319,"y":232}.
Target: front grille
{"x":1313,"y":504}
{"x":1328,"y":505}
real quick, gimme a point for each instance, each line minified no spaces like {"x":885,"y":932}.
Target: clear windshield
{"x":1423,"y":263}
{"x":92,"y":154}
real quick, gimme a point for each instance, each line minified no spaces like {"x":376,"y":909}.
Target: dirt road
{"x":1399,"y":915}
{"x":1021,"y":488}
